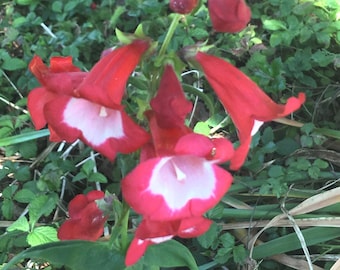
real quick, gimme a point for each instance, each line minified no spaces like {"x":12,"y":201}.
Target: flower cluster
{"x":178,"y":178}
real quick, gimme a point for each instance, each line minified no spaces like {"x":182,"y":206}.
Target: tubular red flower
{"x":154,"y":232}
{"x":86,"y":219}
{"x":177,"y":177}
{"x":183,"y":6}
{"x":229,"y":15}
{"x":170,"y":105}
{"x":246,"y":103}
{"x":86,"y":106}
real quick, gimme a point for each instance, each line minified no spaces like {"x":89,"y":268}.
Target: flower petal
{"x":175,"y":187}
{"x":229,"y":15}
{"x":165,"y":139}
{"x":170,"y":105}
{"x":194,"y":144}
{"x":151,"y":232}
{"x":36,"y":101}
{"x":61,"y":77}
{"x":106,"y":130}
{"x":236,"y":90}
{"x":95,"y":195}
{"x":136,"y":250}
{"x":193,"y":227}
{"x":109,"y":76}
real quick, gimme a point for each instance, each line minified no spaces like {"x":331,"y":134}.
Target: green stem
{"x":169,"y":34}
{"x":125,"y":224}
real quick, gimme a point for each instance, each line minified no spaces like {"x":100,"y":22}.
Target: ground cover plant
{"x":169,"y":134}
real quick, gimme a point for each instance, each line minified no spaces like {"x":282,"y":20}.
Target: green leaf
{"x":321,"y":164}
{"x":308,"y":128}
{"x":87,"y":167}
{"x":306,"y":141}
{"x":274,"y":25}
{"x":24,"y":137}
{"x":42,"y":205}
{"x":25,"y":2}
{"x":323,"y":58}
{"x":223,"y":255}
{"x":202,"y":128}
{"x":314,"y":172}
{"x":7,"y":208}
{"x":24,"y":196}
{"x":275,"y":39}
{"x":21,"y":224}
{"x":42,"y":235}
{"x":286,"y":146}
{"x":275,"y":171}
{"x":240,"y":254}
{"x":75,"y":255}
{"x":13,"y":64}
{"x":206,"y":240}
{"x":176,"y":255}
{"x":57,"y":6}
{"x":97,"y":177}
{"x":227,"y":240}
{"x":23,"y":174}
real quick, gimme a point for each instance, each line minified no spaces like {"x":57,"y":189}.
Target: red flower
{"x":183,"y":6}
{"x":177,"y":180}
{"x":86,"y":219}
{"x":178,"y":177}
{"x":229,"y":15}
{"x":246,"y":103}
{"x":86,"y":105}
{"x":155,"y":232}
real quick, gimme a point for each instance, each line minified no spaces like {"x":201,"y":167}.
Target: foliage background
{"x":289,"y":47}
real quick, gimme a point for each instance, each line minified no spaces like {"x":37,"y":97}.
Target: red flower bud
{"x":229,"y":15}
{"x":183,"y":6}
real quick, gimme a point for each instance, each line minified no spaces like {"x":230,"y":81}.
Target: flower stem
{"x":125,"y":224}
{"x":170,"y":34}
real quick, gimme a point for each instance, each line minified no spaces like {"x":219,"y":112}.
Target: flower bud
{"x":183,"y":6}
{"x":229,"y":16}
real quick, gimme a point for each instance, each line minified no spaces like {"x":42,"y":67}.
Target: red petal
{"x":60,"y":64}
{"x":36,"y":101}
{"x":165,"y":139}
{"x":193,"y":227}
{"x":76,"y":205}
{"x":136,"y":250}
{"x":153,"y":232}
{"x":170,"y":105}
{"x":62,"y":76}
{"x":223,"y":150}
{"x":111,"y":73}
{"x":235,"y":90}
{"x":229,"y":15}
{"x":194,"y":144}
{"x":95,"y":195}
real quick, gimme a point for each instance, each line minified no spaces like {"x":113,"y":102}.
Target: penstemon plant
{"x":179,"y":176}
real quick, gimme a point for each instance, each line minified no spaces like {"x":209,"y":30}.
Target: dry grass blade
{"x":317,"y":202}
{"x":303,"y":222}
{"x":336,"y":266}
